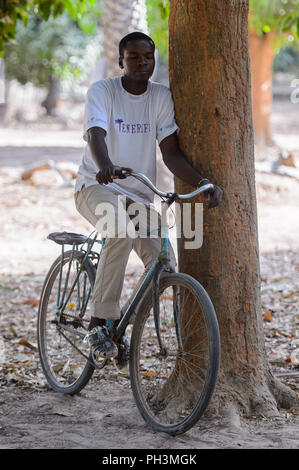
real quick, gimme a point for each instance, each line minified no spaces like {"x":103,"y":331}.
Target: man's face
{"x":138,"y":61}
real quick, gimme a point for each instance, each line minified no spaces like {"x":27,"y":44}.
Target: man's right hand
{"x":107,"y":173}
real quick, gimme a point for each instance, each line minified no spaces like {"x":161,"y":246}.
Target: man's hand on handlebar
{"x":109,"y":172}
{"x":213,"y":195}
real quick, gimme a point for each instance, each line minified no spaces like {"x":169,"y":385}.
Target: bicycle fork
{"x":164,"y":262}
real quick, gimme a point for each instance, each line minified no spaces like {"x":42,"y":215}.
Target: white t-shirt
{"x":132,"y":123}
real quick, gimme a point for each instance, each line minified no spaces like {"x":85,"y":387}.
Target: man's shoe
{"x":123,"y":356}
{"x":101,"y":344}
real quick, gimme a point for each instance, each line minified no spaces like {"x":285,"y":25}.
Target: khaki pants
{"x":90,"y":203}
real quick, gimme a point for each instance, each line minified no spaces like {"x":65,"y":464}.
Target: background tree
{"x":157,"y":19}
{"x":210,"y":81}
{"x":272,"y":24}
{"x":47,"y":52}
{"x":120,"y":17}
{"x":12,"y":11}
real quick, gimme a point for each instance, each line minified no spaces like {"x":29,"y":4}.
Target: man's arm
{"x":99,"y":153}
{"x":178,"y":164}
{"x":176,"y":161}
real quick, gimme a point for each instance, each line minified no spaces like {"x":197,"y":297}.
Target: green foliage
{"x":157,"y":18}
{"x":12,"y":11}
{"x":278,"y":16}
{"x":44,"y":49}
{"x":90,"y":19}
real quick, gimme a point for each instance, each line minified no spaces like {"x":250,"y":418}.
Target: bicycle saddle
{"x":68,"y":238}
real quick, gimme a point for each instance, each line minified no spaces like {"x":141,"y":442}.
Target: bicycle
{"x":175,"y":341}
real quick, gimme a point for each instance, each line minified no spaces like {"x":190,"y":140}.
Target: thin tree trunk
{"x":51,"y":100}
{"x":210,"y":82}
{"x":261,"y":59}
{"x":121,"y":17}
{"x":3,"y":91}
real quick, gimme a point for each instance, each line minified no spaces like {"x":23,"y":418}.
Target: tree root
{"x":264,"y":398}
{"x":284,"y":396}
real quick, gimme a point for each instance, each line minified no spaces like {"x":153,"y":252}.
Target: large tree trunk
{"x":121,"y":17}
{"x":261,"y":58}
{"x":210,"y":82}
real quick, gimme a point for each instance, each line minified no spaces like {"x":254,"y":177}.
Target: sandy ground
{"x":104,"y":415}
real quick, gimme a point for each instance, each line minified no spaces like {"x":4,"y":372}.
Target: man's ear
{"x":120,"y":62}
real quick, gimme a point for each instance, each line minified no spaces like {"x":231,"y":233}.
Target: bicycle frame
{"x":159,"y":264}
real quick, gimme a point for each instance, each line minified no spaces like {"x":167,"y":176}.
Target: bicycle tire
{"x":48,"y":339}
{"x":156,"y":388}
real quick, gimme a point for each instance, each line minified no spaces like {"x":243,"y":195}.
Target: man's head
{"x":137,"y":56}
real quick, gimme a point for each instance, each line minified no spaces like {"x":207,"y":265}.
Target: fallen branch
{"x":290,"y":373}
{"x":284,"y":166}
{"x":66,"y":171}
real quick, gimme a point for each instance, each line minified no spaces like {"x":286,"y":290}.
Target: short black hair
{"x":136,"y":36}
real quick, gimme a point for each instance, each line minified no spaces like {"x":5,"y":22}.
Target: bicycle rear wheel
{"x":173,"y":386}
{"x":65,"y":368}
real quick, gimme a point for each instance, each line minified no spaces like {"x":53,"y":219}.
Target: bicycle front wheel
{"x":173,"y":385}
{"x":64,"y":314}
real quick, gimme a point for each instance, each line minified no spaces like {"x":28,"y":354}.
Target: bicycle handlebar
{"x":121,"y":174}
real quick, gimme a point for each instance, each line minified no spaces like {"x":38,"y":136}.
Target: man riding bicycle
{"x":124,"y":116}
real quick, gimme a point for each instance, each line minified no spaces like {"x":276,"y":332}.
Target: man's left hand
{"x":213,"y":195}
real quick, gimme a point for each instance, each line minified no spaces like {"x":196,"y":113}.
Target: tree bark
{"x":121,"y":17}
{"x":261,"y":58}
{"x":210,"y":83}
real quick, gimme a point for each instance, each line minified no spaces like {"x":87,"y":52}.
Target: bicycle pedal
{"x":99,"y":361}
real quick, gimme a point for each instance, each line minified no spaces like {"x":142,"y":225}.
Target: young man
{"x":123,"y":118}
